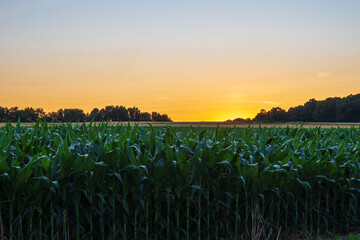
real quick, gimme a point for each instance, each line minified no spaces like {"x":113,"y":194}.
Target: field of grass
{"x":100,"y":181}
{"x":256,"y":125}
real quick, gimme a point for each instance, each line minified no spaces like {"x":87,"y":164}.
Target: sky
{"x":193,"y":60}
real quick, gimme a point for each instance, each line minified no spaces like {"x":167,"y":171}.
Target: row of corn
{"x":96,"y":181}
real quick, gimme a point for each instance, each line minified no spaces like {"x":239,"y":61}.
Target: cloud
{"x":323,"y":74}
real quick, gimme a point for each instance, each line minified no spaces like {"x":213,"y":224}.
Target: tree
{"x":14,"y":114}
{"x":95,"y":115}
{"x":326,"y":110}
{"x":276,"y":114}
{"x":122,"y":113}
{"x":145,"y":116}
{"x":134,"y":114}
{"x":74,"y":115}
{"x":111,"y":113}
{"x":52,"y":117}
{"x":30,"y":114}
{"x":157,"y":117}
{"x":3,"y":114}
{"x":309,"y":110}
{"x":335,"y":109}
{"x":261,"y":116}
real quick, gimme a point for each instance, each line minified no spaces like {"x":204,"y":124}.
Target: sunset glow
{"x":194,"y":60}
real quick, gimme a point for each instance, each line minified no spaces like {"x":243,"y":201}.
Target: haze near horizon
{"x":193,"y":60}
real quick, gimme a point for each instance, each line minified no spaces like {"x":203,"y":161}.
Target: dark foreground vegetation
{"x":117,"y":182}
{"x":336,"y":109}
{"x":109,"y":113}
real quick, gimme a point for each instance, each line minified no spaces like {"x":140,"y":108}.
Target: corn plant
{"x":100,"y":181}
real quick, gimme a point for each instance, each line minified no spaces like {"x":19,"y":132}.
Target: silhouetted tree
{"x":111,"y":113}
{"x":74,"y":115}
{"x":240,"y":120}
{"x":348,"y":109}
{"x":30,"y":114}
{"x":157,"y":117}
{"x":261,"y":116}
{"x":326,"y":110}
{"x":309,"y":110}
{"x":145,"y":116}
{"x":274,"y":115}
{"x":52,"y":117}
{"x":121,"y":113}
{"x":134,"y":114}
{"x":95,"y":115}
{"x":60,"y":115}
{"x":14,"y":114}
{"x":3,"y":114}
{"x":335,"y":109}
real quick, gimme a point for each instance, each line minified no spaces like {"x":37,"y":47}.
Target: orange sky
{"x":199,"y":71}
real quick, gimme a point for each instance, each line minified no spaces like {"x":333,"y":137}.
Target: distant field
{"x":255,"y":125}
{"x":238,"y":125}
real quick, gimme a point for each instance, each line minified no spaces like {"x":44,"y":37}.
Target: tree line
{"x":109,"y":113}
{"x":336,"y":109}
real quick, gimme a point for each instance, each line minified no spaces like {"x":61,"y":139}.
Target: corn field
{"x":78,"y":181}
